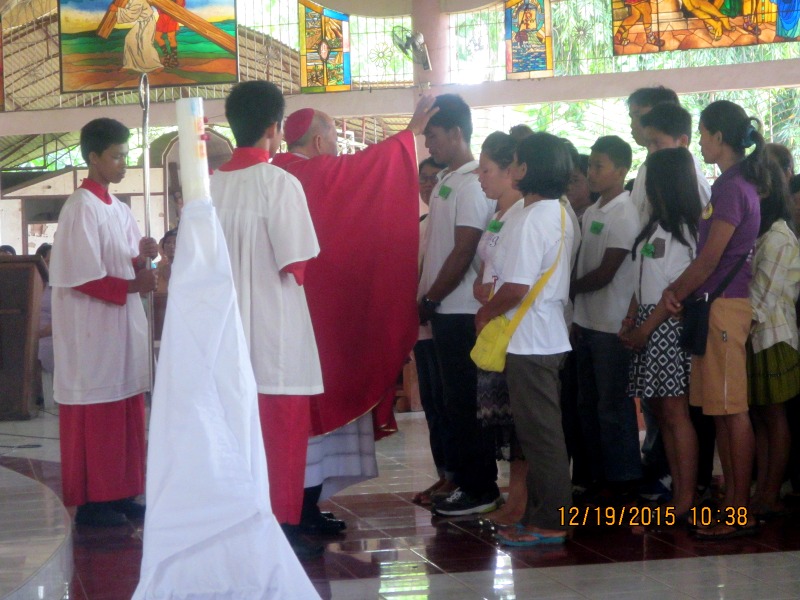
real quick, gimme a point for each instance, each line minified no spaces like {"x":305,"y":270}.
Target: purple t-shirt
{"x":733,"y":200}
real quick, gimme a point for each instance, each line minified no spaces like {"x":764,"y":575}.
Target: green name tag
{"x":648,"y":250}
{"x":596,"y":227}
{"x":495,"y":226}
{"x":444,"y":192}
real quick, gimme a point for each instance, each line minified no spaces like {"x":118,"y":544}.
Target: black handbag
{"x":696,"y":312}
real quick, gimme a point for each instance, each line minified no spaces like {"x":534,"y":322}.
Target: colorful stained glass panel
{"x":646,"y":26}
{"x":529,"y":42}
{"x":324,"y":49}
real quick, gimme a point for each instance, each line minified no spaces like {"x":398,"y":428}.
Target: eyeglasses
{"x":428,"y":179}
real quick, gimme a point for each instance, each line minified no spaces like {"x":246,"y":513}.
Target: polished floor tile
{"x":394,"y":549}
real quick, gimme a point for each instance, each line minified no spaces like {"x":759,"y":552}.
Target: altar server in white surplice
{"x":264,"y":215}
{"x":210,"y":533}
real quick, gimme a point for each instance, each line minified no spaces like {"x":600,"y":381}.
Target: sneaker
{"x":460,"y":503}
{"x":658,"y":491}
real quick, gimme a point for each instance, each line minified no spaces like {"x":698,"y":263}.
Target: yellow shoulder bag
{"x":490,"y":348}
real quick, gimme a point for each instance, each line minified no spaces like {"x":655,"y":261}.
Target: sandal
{"x":728,"y":532}
{"x":519,"y":537}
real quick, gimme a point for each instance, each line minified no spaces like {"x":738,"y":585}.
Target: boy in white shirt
{"x":459,"y":212}
{"x":602,"y":292}
{"x":99,"y":267}
{"x":666,"y":125}
{"x":263,"y":213}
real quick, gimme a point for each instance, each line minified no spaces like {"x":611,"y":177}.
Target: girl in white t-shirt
{"x":494,"y":409}
{"x":660,"y":369}
{"x":539,"y":241}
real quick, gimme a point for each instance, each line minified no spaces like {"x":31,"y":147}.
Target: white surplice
{"x":209,"y":531}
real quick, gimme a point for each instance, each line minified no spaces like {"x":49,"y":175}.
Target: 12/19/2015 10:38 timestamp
{"x":646,"y":516}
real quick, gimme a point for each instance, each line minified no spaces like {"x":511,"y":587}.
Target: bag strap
{"x":539,"y":286}
{"x":728,"y":278}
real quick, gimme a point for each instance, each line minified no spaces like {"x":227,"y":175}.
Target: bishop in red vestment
{"x":361,"y":289}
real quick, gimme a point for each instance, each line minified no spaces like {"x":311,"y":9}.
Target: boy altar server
{"x":270,"y":238}
{"x":98,"y":269}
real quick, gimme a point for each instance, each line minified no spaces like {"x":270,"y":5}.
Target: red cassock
{"x":361,"y":289}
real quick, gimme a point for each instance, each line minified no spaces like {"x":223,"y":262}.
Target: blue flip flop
{"x":537,"y":539}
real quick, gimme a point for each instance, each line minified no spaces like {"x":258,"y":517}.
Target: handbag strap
{"x":728,"y":278}
{"x":539,"y":286}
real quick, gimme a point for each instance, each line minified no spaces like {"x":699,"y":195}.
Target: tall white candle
{"x":193,"y":153}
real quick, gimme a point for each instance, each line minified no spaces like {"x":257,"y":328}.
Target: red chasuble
{"x":362,"y":288}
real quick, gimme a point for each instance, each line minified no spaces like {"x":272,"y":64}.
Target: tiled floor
{"x":394,"y":549}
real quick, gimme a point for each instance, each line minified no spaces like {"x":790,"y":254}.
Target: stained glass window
{"x":529,"y":43}
{"x":324,"y":49}
{"x":644,"y":26}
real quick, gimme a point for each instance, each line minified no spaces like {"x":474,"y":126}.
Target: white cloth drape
{"x":209,"y":531}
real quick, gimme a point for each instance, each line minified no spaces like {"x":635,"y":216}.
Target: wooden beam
{"x":198,"y":25}
{"x":186,"y":17}
{"x":109,"y":20}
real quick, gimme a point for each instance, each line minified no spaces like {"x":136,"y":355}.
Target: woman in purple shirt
{"x":728,"y":230}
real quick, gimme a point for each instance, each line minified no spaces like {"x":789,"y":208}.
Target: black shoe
{"x":322,"y":525}
{"x":302,"y":547}
{"x":128,"y":507}
{"x":99,"y":514}
{"x":460,"y":503}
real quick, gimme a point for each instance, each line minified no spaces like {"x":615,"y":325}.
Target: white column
{"x":427,"y":18}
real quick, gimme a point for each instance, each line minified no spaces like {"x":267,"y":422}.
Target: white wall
{"x":11,"y":223}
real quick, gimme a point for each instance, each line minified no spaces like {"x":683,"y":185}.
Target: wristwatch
{"x":428,"y":303}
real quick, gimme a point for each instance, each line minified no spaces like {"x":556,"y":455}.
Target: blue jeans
{"x":607,"y":414}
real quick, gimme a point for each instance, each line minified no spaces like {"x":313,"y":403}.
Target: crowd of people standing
{"x":662,"y":290}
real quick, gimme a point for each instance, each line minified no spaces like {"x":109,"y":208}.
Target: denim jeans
{"x":607,"y":413}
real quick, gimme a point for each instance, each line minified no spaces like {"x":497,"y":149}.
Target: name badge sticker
{"x":444,"y":192}
{"x":596,"y":227}
{"x":495,"y":226}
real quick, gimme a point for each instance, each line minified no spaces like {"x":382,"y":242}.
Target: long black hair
{"x":740,"y":131}
{"x":671,"y":186}
{"x":775,"y":204}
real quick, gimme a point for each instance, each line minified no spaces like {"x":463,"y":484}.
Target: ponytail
{"x":740,"y":131}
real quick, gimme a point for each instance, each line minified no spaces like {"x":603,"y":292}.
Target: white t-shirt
{"x":457,"y":201}
{"x":614,"y":225}
{"x":267,"y":226}
{"x":660,"y":260}
{"x":490,"y":240}
{"x":526,"y":254}
{"x":100,"y":348}
{"x":639,"y":193}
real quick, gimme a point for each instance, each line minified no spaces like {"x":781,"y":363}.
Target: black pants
{"x":469,"y":450}
{"x":430,"y":394}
